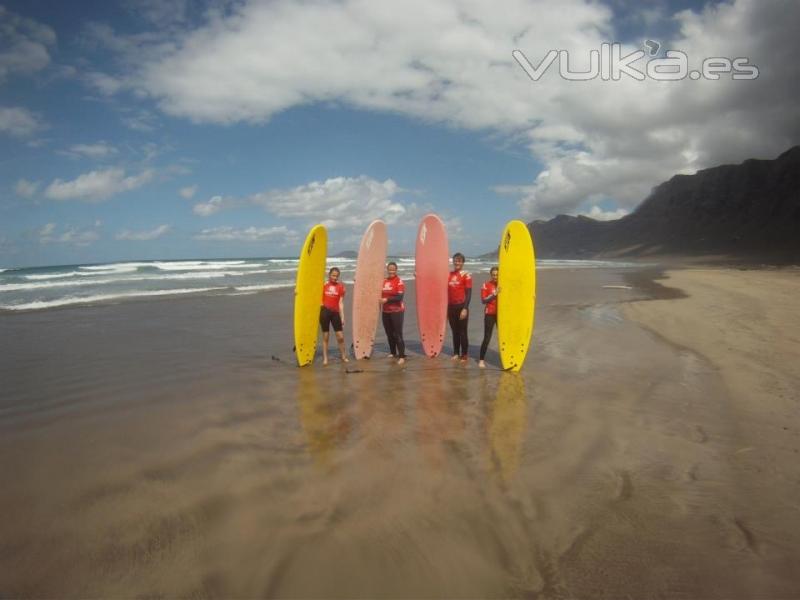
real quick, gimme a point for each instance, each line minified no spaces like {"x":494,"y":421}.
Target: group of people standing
{"x":459,"y":294}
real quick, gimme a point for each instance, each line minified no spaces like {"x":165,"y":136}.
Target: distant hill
{"x":750,"y":210}
{"x":346,"y":254}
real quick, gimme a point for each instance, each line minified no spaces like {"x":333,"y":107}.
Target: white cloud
{"x":599,"y":214}
{"x":340,"y":202}
{"x":140,"y":120}
{"x":454,"y":227}
{"x":249,"y":234}
{"x":107,"y":85}
{"x":19,"y":122}
{"x":450,"y":62}
{"x":188,"y":192}
{"x":214,"y":205}
{"x":78,"y":237}
{"x":97,"y":186}
{"x":25,"y":44}
{"x":26,"y":189}
{"x":47,"y":230}
{"x":144,"y":236}
{"x":337,"y":203}
{"x":97,"y":150}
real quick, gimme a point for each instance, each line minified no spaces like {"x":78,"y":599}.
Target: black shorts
{"x":328,"y":317}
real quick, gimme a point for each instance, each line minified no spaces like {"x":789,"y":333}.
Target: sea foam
{"x":69,"y":300}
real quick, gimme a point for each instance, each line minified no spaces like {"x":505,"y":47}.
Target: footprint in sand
{"x":625,"y":486}
{"x":699,"y":435}
{"x":739,"y":535}
{"x":749,"y":537}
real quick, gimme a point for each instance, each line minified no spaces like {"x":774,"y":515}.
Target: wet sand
{"x":171,"y":448}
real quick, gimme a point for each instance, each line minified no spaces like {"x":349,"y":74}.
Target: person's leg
{"x":336,"y":320}
{"x":488,"y":327}
{"x":487,"y":336}
{"x":453,"y":312}
{"x":324,"y":323}
{"x":342,"y":349}
{"x":325,"y":335}
{"x":464,"y":339}
{"x":388,"y":327}
{"x":397,"y":326}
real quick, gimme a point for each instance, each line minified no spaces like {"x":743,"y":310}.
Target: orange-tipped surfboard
{"x":308,"y":294}
{"x":367,"y":289}
{"x":432,"y":268}
{"x":517,"y":298}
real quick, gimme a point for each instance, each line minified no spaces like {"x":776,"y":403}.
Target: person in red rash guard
{"x":332,"y":313}
{"x":459,"y":293}
{"x":393,"y":311}
{"x":489,"y":292}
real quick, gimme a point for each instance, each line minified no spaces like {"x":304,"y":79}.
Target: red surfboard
{"x":370,"y":268}
{"x":432,"y":269}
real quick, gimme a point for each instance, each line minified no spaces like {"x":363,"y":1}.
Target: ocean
{"x":41,"y":288}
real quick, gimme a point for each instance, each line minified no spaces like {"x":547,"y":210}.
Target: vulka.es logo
{"x":608,"y":64}
{"x":423,"y":232}
{"x":507,"y":241}
{"x":311,"y":245}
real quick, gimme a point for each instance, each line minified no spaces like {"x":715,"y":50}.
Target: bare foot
{"x":390,"y":356}
{"x":464,"y":359}
{"x":324,"y":362}
{"x":345,"y":359}
{"x":481,"y":364}
{"x":401,"y":361}
{"x":455,"y":357}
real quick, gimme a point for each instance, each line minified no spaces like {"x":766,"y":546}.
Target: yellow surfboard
{"x":516,"y":301}
{"x":308,"y":294}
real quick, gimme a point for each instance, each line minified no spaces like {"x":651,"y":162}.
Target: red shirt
{"x":331,"y":292}
{"x":392,"y":287}
{"x":457,"y":285}
{"x":487,"y":289}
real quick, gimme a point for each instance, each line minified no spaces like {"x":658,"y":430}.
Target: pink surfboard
{"x":368,"y":286}
{"x":432,"y":269}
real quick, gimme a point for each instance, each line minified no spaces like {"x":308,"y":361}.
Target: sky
{"x":172,"y":129}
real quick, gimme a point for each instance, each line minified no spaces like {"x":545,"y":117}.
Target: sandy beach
{"x":648,"y":449}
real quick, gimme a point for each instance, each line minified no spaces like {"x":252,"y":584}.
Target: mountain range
{"x":745,"y":211}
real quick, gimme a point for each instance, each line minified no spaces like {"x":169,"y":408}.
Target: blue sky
{"x":143,"y":129}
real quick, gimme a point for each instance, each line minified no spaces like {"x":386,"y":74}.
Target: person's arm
{"x":341,"y":306}
{"x":467,"y":297}
{"x":396,"y":298}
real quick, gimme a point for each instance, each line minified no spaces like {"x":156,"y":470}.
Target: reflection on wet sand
{"x":457,"y":418}
{"x":322,"y":415}
{"x":507,"y":422}
{"x":441,"y":399}
{"x":382,"y":415}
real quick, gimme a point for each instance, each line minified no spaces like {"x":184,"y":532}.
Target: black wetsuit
{"x":393,"y":326}
{"x":459,"y":326}
{"x":489,"y":321}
